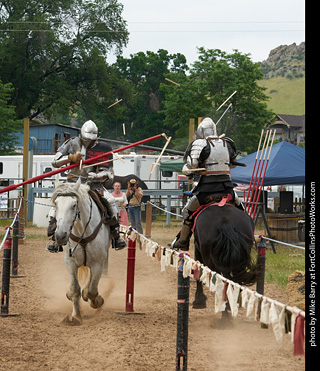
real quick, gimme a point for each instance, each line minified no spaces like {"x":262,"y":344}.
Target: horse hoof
{"x":200,"y":302}
{"x":72,"y":321}
{"x":84,"y":295}
{"x":97,"y":302}
{"x":199,"y":305}
{"x":226,"y":321}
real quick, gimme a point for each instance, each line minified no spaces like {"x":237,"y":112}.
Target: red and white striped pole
{"x":130,"y":273}
{"x":251,"y":190}
{"x":5,"y":288}
{"x":260,"y":173}
{"x":264,"y":174}
{"x":253,"y":171}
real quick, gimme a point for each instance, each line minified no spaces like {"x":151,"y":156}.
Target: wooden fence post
{"x":148,"y":219}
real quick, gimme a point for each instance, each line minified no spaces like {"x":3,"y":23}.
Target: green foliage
{"x":145,"y":72}
{"x":8,"y":124}
{"x":48,"y":49}
{"x":213,"y":78}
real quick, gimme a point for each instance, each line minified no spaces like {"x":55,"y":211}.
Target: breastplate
{"x":218,"y":162}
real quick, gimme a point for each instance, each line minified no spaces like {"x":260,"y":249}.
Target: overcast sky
{"x":180,"y":26}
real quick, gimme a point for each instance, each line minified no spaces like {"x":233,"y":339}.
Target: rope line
{"x":280,"y":242}
{"x":180,"y":216}
{"x":176,"y":259}
{"x":8,"y":229}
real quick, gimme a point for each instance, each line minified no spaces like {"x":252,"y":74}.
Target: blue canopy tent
{"x":286,"y":166}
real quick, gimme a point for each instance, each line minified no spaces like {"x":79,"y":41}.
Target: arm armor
{"x":232,"y":151}
{"x":101,"y":175}
{"x":61,"y":157}
{"x":189,"y":174}
{"x":195,"y":152}
{"x":60,"y":160}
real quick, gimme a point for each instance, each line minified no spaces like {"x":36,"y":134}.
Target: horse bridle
{"x":77,"y":214}
{"x":79,"y":240}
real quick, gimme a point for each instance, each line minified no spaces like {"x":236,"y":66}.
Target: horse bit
{"x":77,"y":215}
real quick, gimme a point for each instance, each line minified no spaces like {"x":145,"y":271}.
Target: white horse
{"x":85,"y":239}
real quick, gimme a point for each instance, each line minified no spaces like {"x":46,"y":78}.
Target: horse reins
{"x":80,"y":240}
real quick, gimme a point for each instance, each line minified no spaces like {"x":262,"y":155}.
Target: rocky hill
{"x":285,"y":61}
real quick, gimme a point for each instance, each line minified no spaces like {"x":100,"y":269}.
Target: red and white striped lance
{"x":90,"y":160}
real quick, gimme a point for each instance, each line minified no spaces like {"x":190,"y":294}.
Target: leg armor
{"x":237,"y":202}
{"x":111,"y":205}
{"x":183,"y":238}
{"x":51,"y":245}
{"x":118,"y":243}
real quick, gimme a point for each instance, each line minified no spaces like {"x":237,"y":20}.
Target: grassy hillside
{"x":286,"y":96}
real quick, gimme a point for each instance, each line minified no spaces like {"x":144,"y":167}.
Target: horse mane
{"x":62,"y":188}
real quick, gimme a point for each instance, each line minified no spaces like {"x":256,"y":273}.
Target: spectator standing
{"x":122,"y":202}
{"x":134,"y":195}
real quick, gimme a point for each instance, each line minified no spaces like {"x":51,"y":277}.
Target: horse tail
{"x":231,"y":256}
{"x":83,"y":273}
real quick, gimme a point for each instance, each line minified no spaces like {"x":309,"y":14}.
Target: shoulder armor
{"x":197,"y":147}
{"x":231,"y":142}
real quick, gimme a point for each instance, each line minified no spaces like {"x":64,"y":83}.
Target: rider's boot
{"x":118,"y":243}
{"x":183,"y":238}
{"x":52,"y":226}
{"x":52,"y":247}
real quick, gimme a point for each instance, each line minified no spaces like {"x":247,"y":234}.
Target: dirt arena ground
{"x":108,"y":339}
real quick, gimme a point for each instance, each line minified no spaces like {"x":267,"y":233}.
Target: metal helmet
{"x":207,"y":128}
{"x":89,"y":133}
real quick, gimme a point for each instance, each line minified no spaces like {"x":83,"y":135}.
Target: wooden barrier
{"x":284,"y":227}
{"x":148,"y":220}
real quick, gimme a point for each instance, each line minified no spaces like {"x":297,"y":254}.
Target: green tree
{"x":49,"y":51}
{"x":212,"y":79}
{"x":145,"y":72}
{"x":8,"y":123}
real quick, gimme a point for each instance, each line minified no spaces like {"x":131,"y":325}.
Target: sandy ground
{"x":109,"y":340}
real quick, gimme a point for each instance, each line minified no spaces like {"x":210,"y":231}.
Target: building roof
{"x":291,"y":121}
{"x":32,"y":124}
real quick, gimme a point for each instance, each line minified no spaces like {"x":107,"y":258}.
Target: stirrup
{"x":118,"y":244}
{"x":179,"y":245}
{"x":53,"y":247}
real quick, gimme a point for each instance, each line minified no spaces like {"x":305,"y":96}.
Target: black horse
{"x":224,"y":236}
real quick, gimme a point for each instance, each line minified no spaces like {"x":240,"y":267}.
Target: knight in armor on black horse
{"x":73,"y":151}
{"x":215,"y":154}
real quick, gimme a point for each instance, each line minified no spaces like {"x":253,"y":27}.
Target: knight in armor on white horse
{"x":213,"y":155}
{"x":73,"y":151}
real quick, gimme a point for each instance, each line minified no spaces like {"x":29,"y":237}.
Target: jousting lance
{"x":91,"y":160}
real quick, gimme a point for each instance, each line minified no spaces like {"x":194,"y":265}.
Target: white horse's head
{"x":66,"y":198}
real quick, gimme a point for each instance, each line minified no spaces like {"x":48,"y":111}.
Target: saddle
{"x":218,"y":199}
{"x":100,"y":202}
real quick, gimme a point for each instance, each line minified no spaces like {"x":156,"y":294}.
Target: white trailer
{"x":141,"y":166}
{"x":11,"y":168}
